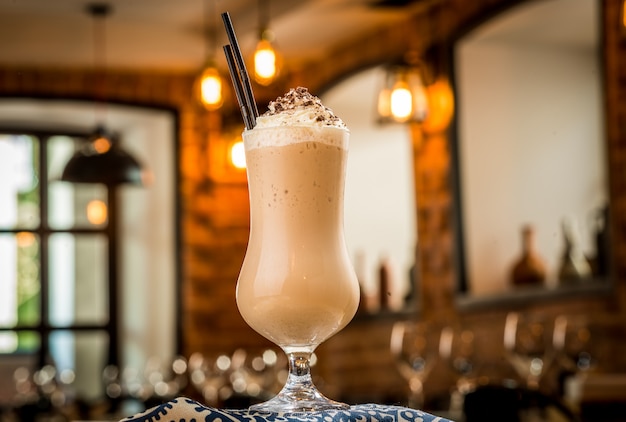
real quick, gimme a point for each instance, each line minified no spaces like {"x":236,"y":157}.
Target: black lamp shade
{"x":114,"y":166}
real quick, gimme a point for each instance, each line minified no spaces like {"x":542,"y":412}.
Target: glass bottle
{"x":530,"y":268}
{"x":574,"y":265}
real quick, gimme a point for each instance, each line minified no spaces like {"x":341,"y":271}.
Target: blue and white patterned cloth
{"x":186,"y":410}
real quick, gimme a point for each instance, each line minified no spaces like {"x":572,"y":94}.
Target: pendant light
{"x":402,"y":98}
{"x":267,"y":60}
{"x":101,"y":159}
{"x":209,"y":86}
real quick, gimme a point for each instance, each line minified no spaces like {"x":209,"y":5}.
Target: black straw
{"x":232,"y":67}
{"x":242,"y":75}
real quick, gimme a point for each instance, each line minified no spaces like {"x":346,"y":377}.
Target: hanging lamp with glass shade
{"x":402,"y":98}
{"x":267,"y":60}
{"x":209,"y":86}
{"x":101,"y":159}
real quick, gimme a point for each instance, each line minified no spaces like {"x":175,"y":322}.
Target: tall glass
{"x":297,"y":286}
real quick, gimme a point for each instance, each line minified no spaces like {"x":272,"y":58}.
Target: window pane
{"x":21,"y":284}
{"x":19,"y":182}
{"x":84,"y":354}
{"x":72,"y":204}
{"x":22,"y":342}
{"x":78,"y":279}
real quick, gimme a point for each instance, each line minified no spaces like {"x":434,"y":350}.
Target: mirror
{"x":530,"y":147}
{"x":380,"y":217}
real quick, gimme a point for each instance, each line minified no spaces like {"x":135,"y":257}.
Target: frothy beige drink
{"x":297,"y":286}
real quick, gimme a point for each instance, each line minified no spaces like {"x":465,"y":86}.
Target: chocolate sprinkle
{"x":300,"y":99}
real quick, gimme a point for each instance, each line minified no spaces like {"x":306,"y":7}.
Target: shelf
{"x":534,"y":295}
{"x":393,"y":315}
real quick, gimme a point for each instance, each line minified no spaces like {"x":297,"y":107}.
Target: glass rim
{"x":296,"y":127}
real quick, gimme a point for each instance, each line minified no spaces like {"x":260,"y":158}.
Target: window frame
{"x":44,"y":329}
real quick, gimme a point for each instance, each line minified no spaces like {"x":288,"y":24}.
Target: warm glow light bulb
{"x":440,"y":99}
{"x":211,"y":88}
{"x":101,"y":144}
{"x":265,"y":63}
{"x":96,"y":212}
{"x":238,"y":155}
{"x":401,"y":102}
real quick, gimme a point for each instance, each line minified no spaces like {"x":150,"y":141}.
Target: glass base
{"x":299,"y":396}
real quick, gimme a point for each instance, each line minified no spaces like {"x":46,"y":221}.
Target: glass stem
{"x":416,"y":399}
{"x":299,"y":393}
{"x":299,"y":370}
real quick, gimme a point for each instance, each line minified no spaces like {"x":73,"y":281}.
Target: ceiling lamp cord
{"x":99,"y":12}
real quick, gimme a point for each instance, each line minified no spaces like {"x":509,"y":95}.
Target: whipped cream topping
{"x":298,"y":107}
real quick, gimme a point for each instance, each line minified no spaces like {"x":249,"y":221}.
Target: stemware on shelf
{"x":457,"y":348}
{"x":528,"y":345}
{"x":572,"y":343}
{"x":45,"y":391}
{"x":156,"y":382}
{"x":589,"y":349}
{"x":414,"y":347}
{"x":209,"y":375}
{"x":255,"y":376}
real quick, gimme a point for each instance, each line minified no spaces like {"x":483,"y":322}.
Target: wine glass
{"x":414,"y":348}
{"x":255,"y":375}
{"x":48,"y":389}
{"x":457,"y":348}
{"x":572,"y":343}
{"x":297,"y":286}
{"x":166,"y":378}
{"x":527,"y":343}
{"x":210,"y":376}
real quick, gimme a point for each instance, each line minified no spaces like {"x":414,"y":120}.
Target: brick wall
{"x":214,"y":203}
